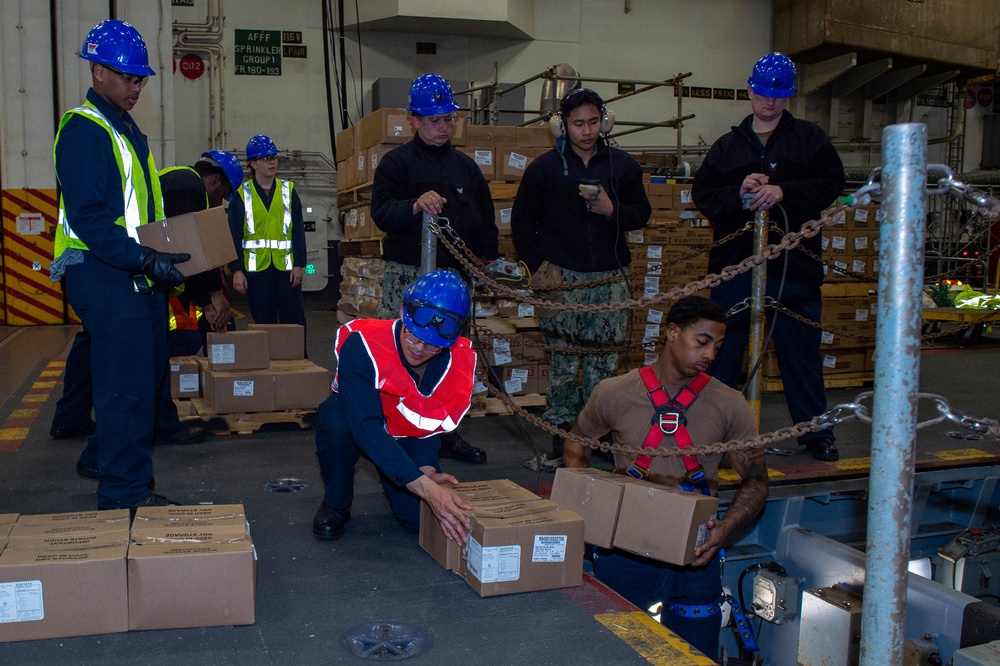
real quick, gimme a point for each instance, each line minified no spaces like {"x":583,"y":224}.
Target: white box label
{"x":501,"y":351}
{"x":478,"y":387}
{"x":829,"y":361}
{"x":634,"y":236}
{"x":826,"y":338}
{"x":505,"y":215}
{"x":654,"y":316}
{"x":517,"y":161}
{"x":243,"y":388}
{"x":484,"y":157}
{"x":520,"y":374}
{"x":223,"y":354}
{"x":549,"y":548}
{"x":654,"y":251}
{"x":496,"y":564}
{"x":525,"y":310}
{"x":188,"y":383}
{"x":21,"y":601}
{"x":513,"y":386}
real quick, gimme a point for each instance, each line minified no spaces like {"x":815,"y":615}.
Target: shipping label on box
{"x":184,"y":375}
{"x":204,"y":235}
{"x":239,"y":350}
{"x":663,"y":523}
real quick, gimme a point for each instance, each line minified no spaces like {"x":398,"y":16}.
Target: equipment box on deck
{"x":299,"y":384}
{"x":204,"y":579}
{"x":64,"y":576}
{"x":204,"y":235}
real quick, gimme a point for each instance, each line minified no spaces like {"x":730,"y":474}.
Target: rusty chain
{"x":830,"y":418}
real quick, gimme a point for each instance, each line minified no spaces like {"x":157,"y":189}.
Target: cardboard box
{"x":501,"y":214}
{"x":184,"y":377}
{"x":115,"y":516}
{"x":204,"y":235}
{"x":285,"y":342}
{"x":46,"y":581}
{"x":491,"y":136}
{"x":477,"y":493}
{"x":663,"y":523}
{"x":238,"y":392}
{"x":523,"y":547}
{"x":299,"y":384}
{"x":375,"y":154}
{"x":345,"y":144}
{"x":239,"y":350}
{"x":185,"y":522}
{"x":385,"y":125}
{"x":209,"y":581}
{"x":361,"y":173}
{"x":843,"y":360}
{"x":596,"y":495}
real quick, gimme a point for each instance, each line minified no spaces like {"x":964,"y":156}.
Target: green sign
{"x":258,"y":52}
{"x":310,"y":269}
{"x":182,"y":3}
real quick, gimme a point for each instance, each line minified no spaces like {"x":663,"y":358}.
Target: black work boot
{"x":328,"y":524}
{"x":456,"y":448}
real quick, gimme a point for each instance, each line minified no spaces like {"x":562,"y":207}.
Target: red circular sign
{"x":985,"y":97}
{"x":970,"y":99}
{"x":192,"y":66}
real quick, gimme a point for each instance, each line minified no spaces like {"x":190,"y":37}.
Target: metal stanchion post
{"x":428,"y":245}
{"x":897,"y":384}
{"x":758,"y":293}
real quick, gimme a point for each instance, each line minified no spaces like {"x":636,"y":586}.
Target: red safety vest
{"x":181,"y":319}
{"x":669,"y":419}
{"x":408,"y":413}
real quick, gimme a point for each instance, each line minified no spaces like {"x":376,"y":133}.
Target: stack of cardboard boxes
{"x":660,"y":522}
{"x":361,"y":288}
{"x":665,"y":254}
{"x":262,"y":369}
{"x":77,"y":574}
{"x":518,"y":542}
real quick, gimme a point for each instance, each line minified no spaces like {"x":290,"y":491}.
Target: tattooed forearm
{"x":752,"y":493}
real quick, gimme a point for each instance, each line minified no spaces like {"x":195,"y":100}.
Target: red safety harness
{"x":669,"y":419}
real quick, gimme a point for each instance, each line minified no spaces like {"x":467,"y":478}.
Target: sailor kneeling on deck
{"x":399,"y":384}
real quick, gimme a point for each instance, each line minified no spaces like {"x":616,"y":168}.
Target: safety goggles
{"x":423,"y":314}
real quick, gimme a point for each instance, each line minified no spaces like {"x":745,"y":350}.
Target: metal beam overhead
{"x":892,"y":80}
{"x":814,"y":76}
{"x":923,"y":84}
{"x":860,"y":76}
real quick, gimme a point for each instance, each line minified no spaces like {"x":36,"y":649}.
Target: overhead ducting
{"x":512,"y":19}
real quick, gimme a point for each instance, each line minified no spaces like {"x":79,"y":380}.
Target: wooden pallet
{"x":482,"y":406}
{"x":241,"y":424}
{"x":501,"y":191}
{"x":837,"y":381}
{"x":355,"y":196}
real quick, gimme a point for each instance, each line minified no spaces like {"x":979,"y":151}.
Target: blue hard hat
{"x":117,"y":44}
{"x":260,"y":146}
{"x":435,"y":307}
{"x":230,"y":165}
{"x":773,"y":76}
{"x":430,"y":95}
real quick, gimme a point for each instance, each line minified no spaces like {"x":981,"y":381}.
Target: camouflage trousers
{"x":397,"y":278}
{"x":577,"y":329}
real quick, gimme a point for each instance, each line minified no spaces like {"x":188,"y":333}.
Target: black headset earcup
{"x":556,"y":126}
{"x":607,"y":121}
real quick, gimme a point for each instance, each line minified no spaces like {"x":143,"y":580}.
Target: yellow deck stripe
{"x":652,"y":640}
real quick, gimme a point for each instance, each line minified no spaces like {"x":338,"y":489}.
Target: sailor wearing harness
{"x":675,"y":403}
{"x":400,"y":383}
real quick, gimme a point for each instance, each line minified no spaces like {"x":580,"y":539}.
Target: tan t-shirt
{"x":620,"y":406}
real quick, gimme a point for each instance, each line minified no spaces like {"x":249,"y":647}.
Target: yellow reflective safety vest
{"x":133,"y":183}
{"x":267,"y":232}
